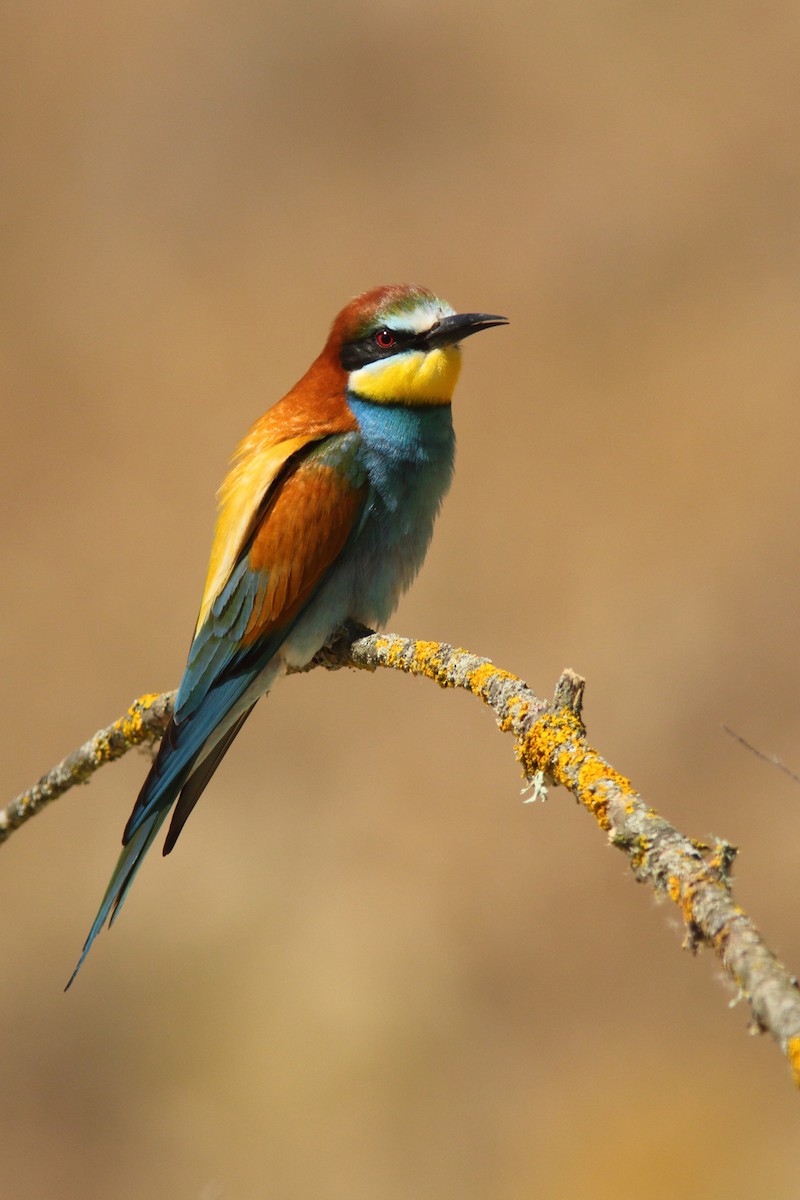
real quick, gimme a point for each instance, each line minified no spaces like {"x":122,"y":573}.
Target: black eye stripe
{"x":367,"y":350}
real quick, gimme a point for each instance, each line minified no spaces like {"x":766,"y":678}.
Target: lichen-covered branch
{"x":551,"y":747}
{"x":144,"y":722}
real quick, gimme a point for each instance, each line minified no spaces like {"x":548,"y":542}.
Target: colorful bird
{"x":324,"y":517}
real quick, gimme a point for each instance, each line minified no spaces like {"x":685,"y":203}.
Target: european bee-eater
{"x":324,"y":517}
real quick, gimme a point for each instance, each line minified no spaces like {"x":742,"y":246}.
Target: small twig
{"x":770,"y":758}
{"x":551,"y":746}
{"x":145,"y":721}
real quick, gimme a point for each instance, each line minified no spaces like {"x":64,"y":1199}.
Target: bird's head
{"x":400,"y":345}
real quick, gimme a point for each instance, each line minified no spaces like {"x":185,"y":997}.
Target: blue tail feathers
{"x":184,"y":749}
{"x":191,"y":749}
{"x":124,"y":873}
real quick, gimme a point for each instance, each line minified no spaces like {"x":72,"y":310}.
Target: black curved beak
{"x":454,"y":329}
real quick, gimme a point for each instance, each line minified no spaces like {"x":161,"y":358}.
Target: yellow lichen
{"x":793,"y":1054}
{"x":426,"y":660}
{"x":481,"y":677}
{"x":394,"y":652}
{"x":555,"y":745}
{"x":479,"y":680}
{"x":102,"y":750}
{"x":688,"y":902}
{"x":517,"y":709}
{"x":425,"y":652}
{"x":541,"y":745}
{"x":721,"y":940}
{"x":597,"y":782}
{"x":131,"y":726}
{"x":674,"y":889}
{"x":641,"y":848}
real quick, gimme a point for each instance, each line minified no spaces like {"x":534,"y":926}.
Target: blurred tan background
{"x":348,"y":982}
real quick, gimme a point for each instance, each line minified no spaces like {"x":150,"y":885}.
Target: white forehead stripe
{"x":423,"y":316}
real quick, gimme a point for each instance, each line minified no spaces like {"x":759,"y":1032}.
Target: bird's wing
{"x":241,"y":497}
{"x":299,"y":529}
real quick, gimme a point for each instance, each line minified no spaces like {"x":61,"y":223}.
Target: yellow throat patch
{"x":413,"y":377}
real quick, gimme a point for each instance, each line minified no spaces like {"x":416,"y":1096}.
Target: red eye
{"x":385,"y":339}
